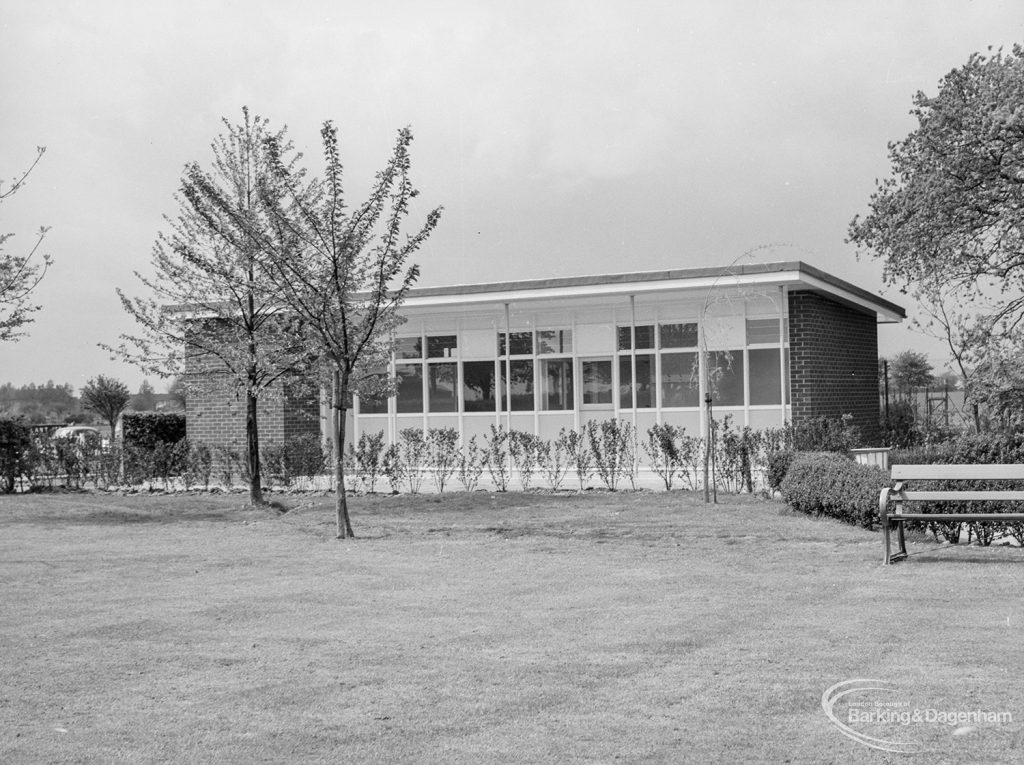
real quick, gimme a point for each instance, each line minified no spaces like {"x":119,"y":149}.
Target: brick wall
{"x":833,"y":361}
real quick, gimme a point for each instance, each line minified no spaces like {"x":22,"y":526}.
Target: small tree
{"x":343,"y":274}
{"x":910,"y":370}
{"x":212,"y":319}
{"x":107,"y":397}
{"x":19,"y":275}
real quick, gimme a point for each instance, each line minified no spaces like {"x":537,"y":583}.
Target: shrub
{"x":228,"y":461}
{"x":662,"y":447}
{"x":822,"y":483}
{"x":610,"y":442}
{"x":823,"y":434}
{"x":778,"y":465}
{"x":580,"y":456}
{"x":551,"y":457}
{"x":392,"y":467}
{"x":442,"y":454}
{"x":471,"y":465}
{"x":15,"y":450}
{"x":413,"y":450}
{"x":366,"y":457}
{"x":200,"y":465}
{"x":496,"y":457}
{"x":524,"y":448}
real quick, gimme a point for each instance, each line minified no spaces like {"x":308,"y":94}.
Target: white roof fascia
{"x":884,"y":315}
{"x":775,"y":278}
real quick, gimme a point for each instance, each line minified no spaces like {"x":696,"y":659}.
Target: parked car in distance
{"x":81,"y":433}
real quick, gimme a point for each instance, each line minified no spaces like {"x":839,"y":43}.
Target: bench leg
{"x":901,"y":541}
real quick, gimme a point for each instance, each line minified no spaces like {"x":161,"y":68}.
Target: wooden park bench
{"x":899,"y":496}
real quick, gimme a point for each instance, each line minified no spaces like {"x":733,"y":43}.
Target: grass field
{"x":639,"y":627}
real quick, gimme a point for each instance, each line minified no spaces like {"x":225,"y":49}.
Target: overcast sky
{"x":562,"y":138}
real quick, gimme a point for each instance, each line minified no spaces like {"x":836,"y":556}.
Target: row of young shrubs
{"x":610,"y":452}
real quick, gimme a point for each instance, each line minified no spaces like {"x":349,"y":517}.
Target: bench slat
{"x":922,"y":496}
{"x":958,"y":472}
{"x":956,"y":517}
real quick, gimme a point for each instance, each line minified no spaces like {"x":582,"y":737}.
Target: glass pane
{"x":762,"y":331}
{"x":645,"y":337}
{"x":556,"y":382}
{"x":410,"y":388}
{"x":554,"y":341}
{"x":679,"y":382}
{"x":442,"y":381}
{"x":478,"y":386}
{"x":625,"y":339}
{"x":726,"y":373}
{"x":645,"y":383}
{"x":765,"y":380}
{"x":678,"y":336}
{"x":625,"y":382}
{"x":409,"y":348}
{"x":441,"y":346}
{"x":521,"y":342}
{"x":522,"y":385}
{"x":374,"y":404}
{"x":597,"y":381}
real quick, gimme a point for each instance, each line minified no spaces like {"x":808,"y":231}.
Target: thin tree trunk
{"x":252,"y":450}
{"x":338,"y":411}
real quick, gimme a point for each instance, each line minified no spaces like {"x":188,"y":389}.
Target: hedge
{"x":147,"y":429}
{"x":827,"y":483}
{"x":972,"y":449}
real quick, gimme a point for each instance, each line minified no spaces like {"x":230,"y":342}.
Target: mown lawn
{"x":486,"y":628}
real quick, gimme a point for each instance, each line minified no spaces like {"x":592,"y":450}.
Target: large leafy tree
{"x":107,"y":397}
{"x":20,"y":274}
{"x":211,"y":318}
{"x":344,"y":272}
{"x":949,"y":221}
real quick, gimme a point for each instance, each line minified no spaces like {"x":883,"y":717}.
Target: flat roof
{"x":783,"y":272}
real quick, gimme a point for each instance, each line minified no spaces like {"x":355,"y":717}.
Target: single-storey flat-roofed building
{"x":785,"y":341}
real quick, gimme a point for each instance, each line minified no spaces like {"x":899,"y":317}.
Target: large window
{"x":556,"y":384}
{"x":679,"y":380}
{"x":375,"y":404}
{"x":645,"y":384}
{"x":413,"y":368}
{"x":597,"y":381}
{"x":442,"y":387}
{"x":726,"y":374}
{"x":478,"y":386}
{"x":765,"y":376}
{"x":521,"y":379}
{"x":633,"y":340}
{"x":409,"y":396}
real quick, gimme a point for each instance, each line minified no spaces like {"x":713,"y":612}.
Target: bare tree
{"x":343,"y":274}
{"x":20,"y":274}
{"x":106,"y":397}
